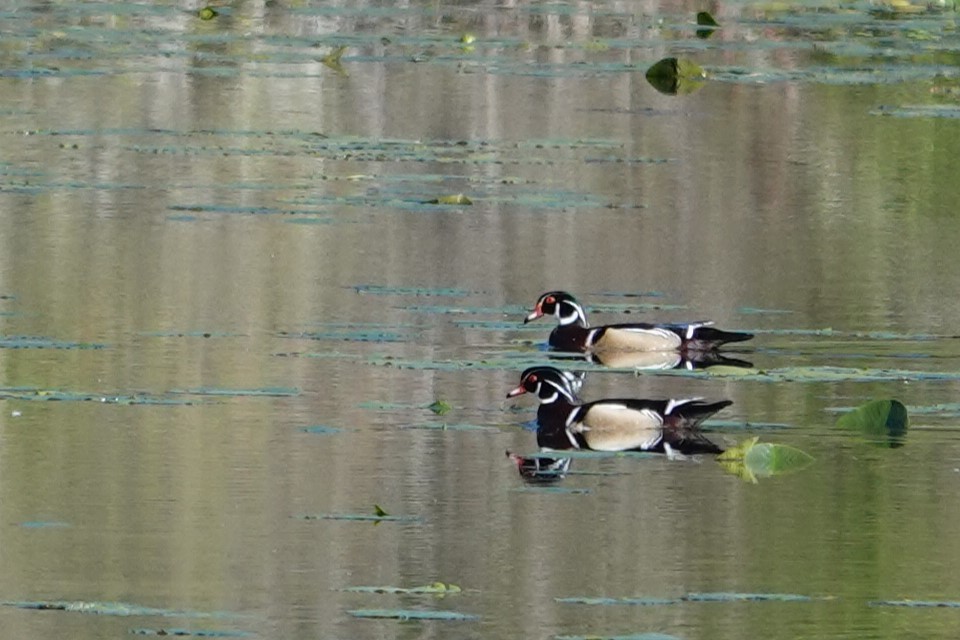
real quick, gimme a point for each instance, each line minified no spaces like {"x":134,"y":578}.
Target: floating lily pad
{"x":385,"y":290}
{"x":448,"y":426}
{"x":111,"y":609}
{"x":881,"y":421}
{"x":322,"y":429}
{"x":186,"y":633}
{"x":456,"y":199}
{"x":413,"y":614}
{"x":675,"y":75}
{"x":434,"y":589}
{"x":440,"y":407}
{"x":269,"y":392}
{"x":705,"y":19}
{"x":34,"y":342}
{"x":191,"y":334}
{"x":44,"y":524}
{"x":746,"y":597}
{"x":359,"y":517}
{"x":59,"y":395}
{"x":922,"y":604}
{"x":332,"y":60}
{"x":752,"y":459}
{"x":357,"y":335}
{"x":208,"y":13}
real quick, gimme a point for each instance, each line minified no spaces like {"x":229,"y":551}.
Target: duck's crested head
{"x":559,"y":304}
{"x":547,"y":383}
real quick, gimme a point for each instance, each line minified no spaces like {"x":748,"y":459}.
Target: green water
{"x":215,"y":421}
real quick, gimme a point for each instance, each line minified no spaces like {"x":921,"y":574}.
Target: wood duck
{"x":662,"y":426}
{"x":574,"y":334}
{"x":539,"y":469}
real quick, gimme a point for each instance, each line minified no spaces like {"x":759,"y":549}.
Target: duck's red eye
{"x":549,"y":300}
{"x":532,"y":377}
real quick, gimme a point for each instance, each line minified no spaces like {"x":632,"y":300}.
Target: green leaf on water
{"x":186,"y":633}
{"x":705,"y":19}
{"x":436,"y":588}
{"x":723,"y":596}
{"x":110,"y":609}
{"x":377,"y":509}
{"x":752,"y":459}
{"x":358,"y":517}
{"x":457,"y":199}
{"x":675,"y":75}
{"x":946,"y":604}
{"x":208,"y":13}
{"x":412,"y":614}
{"x":332,"y":60}
{"x":883,"y":422}
{"x":440,"y":407}
{"x":322,"y":429}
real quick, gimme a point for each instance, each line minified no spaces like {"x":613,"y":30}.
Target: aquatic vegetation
{"x":322,"y":429}
{"x":675,"y":75}
{"x":413,"y":614}
{"x":883,"y":422}
{"x":186,"y":633}
{"x":752,"y":459}
{"x":439,"y":407}
{"x":433,"y":589}
{"x":110,"y":609}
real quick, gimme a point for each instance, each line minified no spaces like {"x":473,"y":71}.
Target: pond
{"x":255,"y":351}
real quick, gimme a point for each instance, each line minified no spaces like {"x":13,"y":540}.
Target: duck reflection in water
{"x":539,"y":469}
{"x":663,"y":360}
{"x":669,"y":426}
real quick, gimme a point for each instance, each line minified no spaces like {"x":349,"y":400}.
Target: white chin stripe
{"x":576,"y":315}
{"x":674,"y":403}
{"x":693,"y":326}
{"x":560,"y":390}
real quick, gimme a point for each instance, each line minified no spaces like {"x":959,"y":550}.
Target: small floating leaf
{"x":44,"y":524}
{"x":322,"y":429}
{"x":746,"y":597}
{"x":197,"y":633}
{"x":752,"y":459}
{"x":412,"y":614}
{"x":882,"y":421}
{"x":359,"y":517}
{"x":705,"y":19}
{"x":332,"y":60}
{"x":437,"y":588}
{"x":440,"y":407}
{"x":109,"y":608}
{"x":208,"y":13}
{"x":272,"y":392}
{"x":458,"y":199}
{"x":915,"y":603}
{"x":377,"y":509}
{"x":675,"y":75}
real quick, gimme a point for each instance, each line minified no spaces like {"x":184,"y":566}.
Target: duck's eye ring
{"x":532,"y":377}
{"x":549,"y":300}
